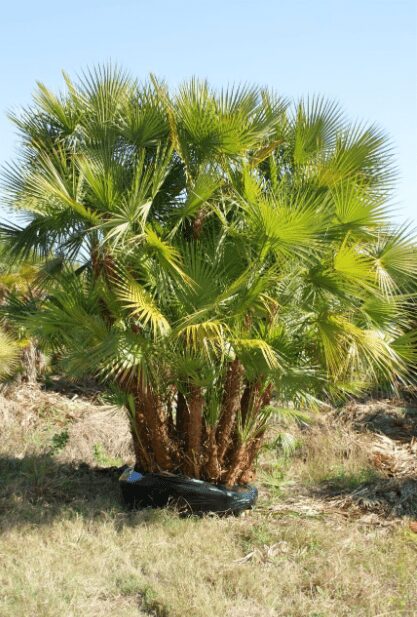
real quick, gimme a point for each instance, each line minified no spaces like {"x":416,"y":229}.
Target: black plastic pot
{"x":157,"y":490}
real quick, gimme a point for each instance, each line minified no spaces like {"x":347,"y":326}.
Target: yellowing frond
{"x":207,"y":332}
{"x":9,"y":354}
{"x":142,"y":306}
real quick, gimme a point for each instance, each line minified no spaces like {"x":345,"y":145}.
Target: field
{"x":333,"y":534}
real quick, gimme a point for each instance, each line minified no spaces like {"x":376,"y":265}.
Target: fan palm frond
{"x":9,"y":354}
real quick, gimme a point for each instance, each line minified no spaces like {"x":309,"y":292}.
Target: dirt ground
{"x":334,"y":532}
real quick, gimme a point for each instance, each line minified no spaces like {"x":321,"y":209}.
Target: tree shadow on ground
{"x":398,"y":423}
{"x":387,"y":497}
{"x":392,"y":491}
{"x":37,"y":489}
{"x":87,"y":387}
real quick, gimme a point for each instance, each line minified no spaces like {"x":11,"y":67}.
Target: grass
{"x":69,"y":548}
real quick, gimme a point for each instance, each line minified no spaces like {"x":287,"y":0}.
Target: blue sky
{"x":360,"y":52}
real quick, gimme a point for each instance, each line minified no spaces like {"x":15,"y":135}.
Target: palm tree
{"x":210,"y":250}
{"x":19,"y":354}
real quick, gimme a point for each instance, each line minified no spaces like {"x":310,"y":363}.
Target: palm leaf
{"x":9,"y":354}
{"x":140,"y":303}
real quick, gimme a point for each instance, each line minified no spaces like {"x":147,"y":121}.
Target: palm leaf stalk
{"x":216,"y":249}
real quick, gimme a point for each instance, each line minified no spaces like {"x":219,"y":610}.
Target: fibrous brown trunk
{"x":169,"y":403}
{"x":230,"y":407}
{"x":154,"y":444}
{"x":162,"y":445}
{"x":212,"y":468}
{"x":266,"y":396}
{"x":240,"y":470}
{"x":182,"y":419}
{"x":190,"y":445}
{"x":241,"y":455}
{"x":141,"y":441}
{"x":33,"y":363}
{"x":195,"y":429}
{"x":238,"y":464}
{"x":248,"y":473}
{"x":198,"y":223}
{"x":245,"y":402}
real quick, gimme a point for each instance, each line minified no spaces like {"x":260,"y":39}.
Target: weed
{"x":341,"y":479}
{"x":151,"y":604}
{"x":103,"y":459}
{"x":59,"y":441}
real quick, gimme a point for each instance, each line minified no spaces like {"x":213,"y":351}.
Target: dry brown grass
{"x":32,"y":421}
{"x":332,"y":452}
{"x":68,"y":547}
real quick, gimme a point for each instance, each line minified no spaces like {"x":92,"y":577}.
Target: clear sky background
{"x":360,"y":52}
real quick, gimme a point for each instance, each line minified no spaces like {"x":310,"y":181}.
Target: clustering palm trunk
{"x":178,"y":437}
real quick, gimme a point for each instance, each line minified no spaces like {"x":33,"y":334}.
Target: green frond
{"x":362,"y":155}
{"x":61,"y":109}
{"x":286,"y":228}
{"x":229,"y":124}
{"x":106,"y":89}
{"x":353,"y":265}
{"x":251,"y":347}
{"x":350,"y":349}
{"x":203,"y":189}
{"x":9,"y":354}
{"x":140,"y":304}
{"x":168,"y":255}
{"x":315,"y":125}
{"x":356,"y":208}
{"x":386,"y":313}
{"x":289,"y":413}
{"x":145,"y":123}
{"x":198,"y":336}
{"x":405,"y":346}
{"x":395,"y":256}
{"x":100,"y":180}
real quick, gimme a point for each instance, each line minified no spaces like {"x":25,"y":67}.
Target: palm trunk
{"x":30,"y":362}
{"x":162,"y":446}
{"x":230,"y":407}
{"x":212,"y":468}
{"x":154,"y":446}
{"x":141,"y":441}
{"x":190,"y":445}
{"x":182,"y":419}
{"x":245,"y":402}
{"x":198,"y":223}
{"x":248,"y":473}
{"x":195,"y":430}
{"x":240,"y":469}
{"x":242,"y":455}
